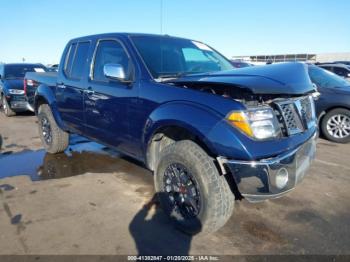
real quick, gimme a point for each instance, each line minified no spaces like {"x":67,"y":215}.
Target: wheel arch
{"x":174,"y":122}
{"x":44,"y":95}
{"x":325,"y":111}
{"x":168,"y":134}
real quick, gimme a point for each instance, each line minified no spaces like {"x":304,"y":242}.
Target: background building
{"x":312,"y":58}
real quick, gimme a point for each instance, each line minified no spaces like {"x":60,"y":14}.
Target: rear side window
{"x":327,"y":68}
{"x":109,"y":52}
{"x":80,"y":60}
{"x":69,"y":59}
{"x":341,"y":71}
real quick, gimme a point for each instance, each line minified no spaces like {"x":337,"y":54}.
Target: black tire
{"x":54,"y":139}
{"x":6,"y":107}
{"x":216,"y":201}
{"x":328,"y":121}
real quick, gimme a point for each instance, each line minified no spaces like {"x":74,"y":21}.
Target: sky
{"x":38,"y":30}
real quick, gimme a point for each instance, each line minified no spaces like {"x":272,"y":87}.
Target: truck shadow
{"x":154,"y":235}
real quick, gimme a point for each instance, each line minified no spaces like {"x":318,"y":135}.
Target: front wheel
{"x":54,"y":139}
{"x":190,"y":189}
{"x":6,"y":107}
{"x":335,"y":125}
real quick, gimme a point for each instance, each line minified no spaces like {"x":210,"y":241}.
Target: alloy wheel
{"x":338,"y":126}
{"x":46,"y":130}
{"x":182,"y":191}
{"x":4,"y":105}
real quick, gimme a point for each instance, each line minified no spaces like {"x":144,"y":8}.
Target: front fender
{"x":196,"y":119}
{"x":46,"y":94}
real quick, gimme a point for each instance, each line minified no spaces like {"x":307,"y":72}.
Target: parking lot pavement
{"x":91,"y":201}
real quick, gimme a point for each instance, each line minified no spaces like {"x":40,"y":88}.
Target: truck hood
{"x":282,"y":78}
{"x":14,"y":84}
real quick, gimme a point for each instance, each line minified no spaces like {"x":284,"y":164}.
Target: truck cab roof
{"x":121,"y":34}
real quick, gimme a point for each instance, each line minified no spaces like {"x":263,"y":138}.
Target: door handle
{"x":89,"y":91}
{"x":61,"y":85}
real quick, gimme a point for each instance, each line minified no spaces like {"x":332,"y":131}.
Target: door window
{"x":80,"y":60}
{"x":110,"y":52}
{"x":341,"y":71}
{"x":69,"y":59}
{"x":329,"y":68}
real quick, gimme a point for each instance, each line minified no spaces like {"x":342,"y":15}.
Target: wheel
{"x":335,"y":125}
{"x":54,"y":139}
{"x":6,"y":107}
{"x":190,"y":189}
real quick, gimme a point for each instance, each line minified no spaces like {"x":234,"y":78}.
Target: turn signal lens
{"x":239,"y":120}
{"x":259,"y":123}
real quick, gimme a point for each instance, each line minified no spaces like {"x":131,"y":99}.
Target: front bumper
{"x":18,"y":103}
{"x":260,"y":180}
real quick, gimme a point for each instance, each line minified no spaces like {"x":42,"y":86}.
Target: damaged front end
{"x":278,"y":111}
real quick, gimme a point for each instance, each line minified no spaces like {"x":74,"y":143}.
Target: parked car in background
{"x":338,"y":69}
{"x":208,"y":131}
{"x":12,"y":93}
{"x":240,"y":64}
{"x":343,"y":62}
{"x":333,"y":105}
{"x":52,"y":68}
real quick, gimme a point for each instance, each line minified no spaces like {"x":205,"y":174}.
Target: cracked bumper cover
{"x":256,"y":180}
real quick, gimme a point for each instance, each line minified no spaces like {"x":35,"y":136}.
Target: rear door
{"x":71,"y":85}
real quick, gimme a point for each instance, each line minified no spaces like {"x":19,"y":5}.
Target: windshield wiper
{"x":165,"y":77}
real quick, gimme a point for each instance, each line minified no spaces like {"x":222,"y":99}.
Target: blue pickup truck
{"x":210,"y":133}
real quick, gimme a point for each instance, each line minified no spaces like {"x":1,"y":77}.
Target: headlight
{"x":259,"y":123}
{"x":16,"y":92}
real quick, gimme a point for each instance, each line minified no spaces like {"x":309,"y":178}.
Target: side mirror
{"x":114,"y":72}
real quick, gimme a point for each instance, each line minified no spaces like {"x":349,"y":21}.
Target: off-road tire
{"x":217,"y":200}
{"x":327,"y":117}
{"x":60,"y":138}
{"x":6,"y":108}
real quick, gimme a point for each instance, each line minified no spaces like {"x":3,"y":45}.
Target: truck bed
{"x":47,"y":78}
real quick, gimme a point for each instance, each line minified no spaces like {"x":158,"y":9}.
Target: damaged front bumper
{"x":273,"y":177}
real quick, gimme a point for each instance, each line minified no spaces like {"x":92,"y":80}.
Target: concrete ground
{"x":91,"y":201}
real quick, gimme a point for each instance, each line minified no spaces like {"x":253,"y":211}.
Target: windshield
{"x":172,"y":57}
{"x":18,"y":71}
{"x":326,"y":79}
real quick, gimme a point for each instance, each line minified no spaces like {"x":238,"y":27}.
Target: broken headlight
{"x":259,"y":123}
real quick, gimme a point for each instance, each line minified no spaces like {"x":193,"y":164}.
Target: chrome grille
{"x":297,"y":114}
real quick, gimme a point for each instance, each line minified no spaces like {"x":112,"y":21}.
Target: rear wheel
{"x":336,"y":125}
{"x":54,"y":139}
{"x":6,"y":107}
{"x":190,"y":189}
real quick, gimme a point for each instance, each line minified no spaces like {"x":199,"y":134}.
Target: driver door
{"x":107,"y":101}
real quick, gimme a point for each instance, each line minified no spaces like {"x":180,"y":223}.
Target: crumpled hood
{"x":14,"y":84}
{"x":282,"y":78}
